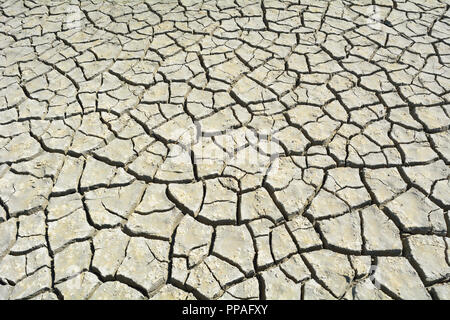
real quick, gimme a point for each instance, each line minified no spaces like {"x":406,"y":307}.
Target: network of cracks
{"x":222,"y":149}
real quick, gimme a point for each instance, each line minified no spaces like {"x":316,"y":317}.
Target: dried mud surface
{"x":224,"y":149}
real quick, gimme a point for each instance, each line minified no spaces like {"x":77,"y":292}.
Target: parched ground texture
{"x":224,"y":149}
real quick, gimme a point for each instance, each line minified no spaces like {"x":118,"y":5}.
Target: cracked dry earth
{"x":129,"y":132}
